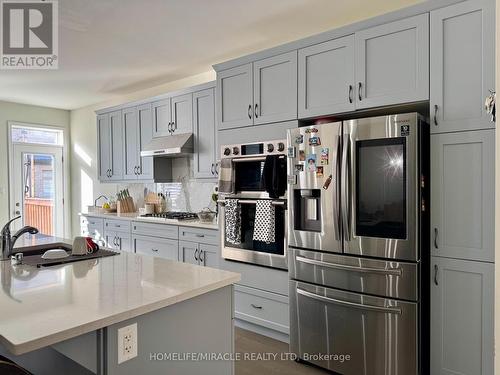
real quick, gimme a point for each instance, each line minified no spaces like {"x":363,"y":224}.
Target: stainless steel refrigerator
{"x":357,"y":228}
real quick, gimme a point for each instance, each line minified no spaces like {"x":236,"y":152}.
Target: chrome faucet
{"x":8,"y":241}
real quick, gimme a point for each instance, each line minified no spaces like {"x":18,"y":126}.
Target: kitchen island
{"x":65,"y":319}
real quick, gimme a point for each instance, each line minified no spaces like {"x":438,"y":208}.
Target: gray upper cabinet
{"x":462,"y":195}
{"x":462,"y":65}
{"x":462,"y":296}
{"x":131,"y":143}
{"x":235,"y":97}
{"x":104,"y":144}
{"x":275,"y":88}
{"x":145,"y":119}
{"x":204,"y":134}
{"x":392,"y":63}
{"x":182,"y":114}
{"x":162,"y":117}
{"x":326,"y":78}
{"x":116,"y":125}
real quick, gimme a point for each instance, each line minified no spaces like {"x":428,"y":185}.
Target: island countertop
{"x":44,"y":306}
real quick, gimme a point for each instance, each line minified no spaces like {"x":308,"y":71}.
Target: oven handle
{"x":253,"y":158}
{"x":355,"y":305}
{"x":249,"y":201}
{"x":314,"y":262}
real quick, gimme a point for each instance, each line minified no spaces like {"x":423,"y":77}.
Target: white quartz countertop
{"x":43,"y":306}
{"x":136,"y":217}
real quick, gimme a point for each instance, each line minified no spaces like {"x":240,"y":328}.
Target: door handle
{"x":212,"y":169}
{"x":435,"y":115}
{"x":196,"y":254}
{"x":256,"y":306}
{"x":154,"y":250}
{"x":201,"y":255}
{"x":250,"y":111}
{"x":359,"y":91}
{"x":346,"y":209}
{"x":216,"y":169}
{"x":436,"y":271}
{"x":350,"y":94}
{"x":169,"y":127}
{"x":315,"y":262}
{"x":256,"y":110}
{"x":200,"y":235}
{"x":135,"y":170}
{"x":436,"y":233}
{"x":390,"y":310}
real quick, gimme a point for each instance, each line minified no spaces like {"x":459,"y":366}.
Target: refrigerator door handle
{"x":315,"y":262}
{"x":346,"y":184}
{"x":338,"y":195}
{"x":389,"y":310}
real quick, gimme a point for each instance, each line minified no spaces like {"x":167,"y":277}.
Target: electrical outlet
{"x":127,"y":343}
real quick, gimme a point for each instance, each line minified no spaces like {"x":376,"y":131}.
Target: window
{"x":25,"y":134}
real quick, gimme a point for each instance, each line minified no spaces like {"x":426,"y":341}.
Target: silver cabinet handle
{"x":360,"y":97}
{"x":200,"y":235}
{"x":216,"y":169}
{"x":201,"y":255}
{"x":436,"y":271}
{"x":435,"y":115}
{"x":212,"y":169}
{"x":436,"y":233}
{"x":256,"y":110}
{"x":250,"y":111}
{"x":390,"y":271}
{"x":139,"y":170}
{"x":350,"y":94}
{"x":154,"y":250}
{"x":169,"y":127}
{"x":390,"y":310}
{"x":119,"y":243}
{"x":256,"y":306}
{"x":196,"y":254}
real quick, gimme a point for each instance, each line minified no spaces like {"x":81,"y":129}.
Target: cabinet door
{"x":392,"y":63}
{"x":161,"y":117}
{"x":131,"y":143}
{"x":208,"y":255}
{"x":204,"y":134}
{"x":145,"y":137}
{"x":104,"y":144}
{"x":326,"y":78}
{"x":111,"y":240}
{"x":123,"y":241}
{"x":235,"y":97}
{"x":189,"y":252}
{"x":115,"y":119}
{"x":275,"y":88}
{"x":182,"y":114}
{"x":462,"y":295}
{"x":158,"y":247}
{"x":462,"y":65}
{"x":462,"y":195}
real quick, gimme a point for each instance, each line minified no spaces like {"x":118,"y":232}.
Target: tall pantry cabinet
{"x":462,"y":71}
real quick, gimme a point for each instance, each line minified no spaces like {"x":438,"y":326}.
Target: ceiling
{"x":109,"y":48}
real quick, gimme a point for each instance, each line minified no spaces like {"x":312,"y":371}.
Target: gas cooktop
{"x":175,"y":215}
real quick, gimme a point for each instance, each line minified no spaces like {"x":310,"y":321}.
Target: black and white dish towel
{"x":233,"y":221}
{"x":264,"y":228}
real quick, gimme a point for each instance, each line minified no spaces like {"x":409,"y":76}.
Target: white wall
{"x":84,"y":170}
{"x":497,"y":199}
{"x":28,"y":114}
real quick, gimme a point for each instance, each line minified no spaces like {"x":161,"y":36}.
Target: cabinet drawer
{"x":95,"y":221}
{"x":262,"y":308}
{"x":207,"y":236}
{"x":158,"y":247}
{"x":117,"y":225}
{"x":156,"y":230}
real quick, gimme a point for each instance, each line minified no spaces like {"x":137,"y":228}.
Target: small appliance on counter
{"x":358,"y":258}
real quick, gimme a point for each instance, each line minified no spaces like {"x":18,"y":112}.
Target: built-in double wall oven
{"x":254,"y":184}
{"x":358,"y":219}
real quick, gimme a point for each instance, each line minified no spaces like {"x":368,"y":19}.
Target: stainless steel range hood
{"x":170,"y":146}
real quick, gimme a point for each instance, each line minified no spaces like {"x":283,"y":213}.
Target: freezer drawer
{"x":379,"y":335}
{"x":382,"y":278}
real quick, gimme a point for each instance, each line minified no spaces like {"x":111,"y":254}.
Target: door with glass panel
{"x":36,"y":186}
{"x":380,"y":186}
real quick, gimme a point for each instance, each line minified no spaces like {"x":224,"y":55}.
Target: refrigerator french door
{"x":356,"y":187}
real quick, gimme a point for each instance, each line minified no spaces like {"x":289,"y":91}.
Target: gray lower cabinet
{"x":235,"y":97}
{"x":462,"y":65}
{"x":462,"y":297}
{"x":205,"y":150}
{"x":92,"y":227}
{"x":199,"y":254}
{"x":462,"y":195}
{"x":159,"y":247}
{"x":326,"y":78}
{"x":275,"y":88}
{"x":188,"y":252}
{"x":119,"y":241}
{"x":392,"y":63}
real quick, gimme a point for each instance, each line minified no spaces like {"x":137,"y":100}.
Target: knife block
{"x":125,"y":205}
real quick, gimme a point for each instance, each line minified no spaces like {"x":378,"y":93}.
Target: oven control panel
{"x":254,"y":149}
